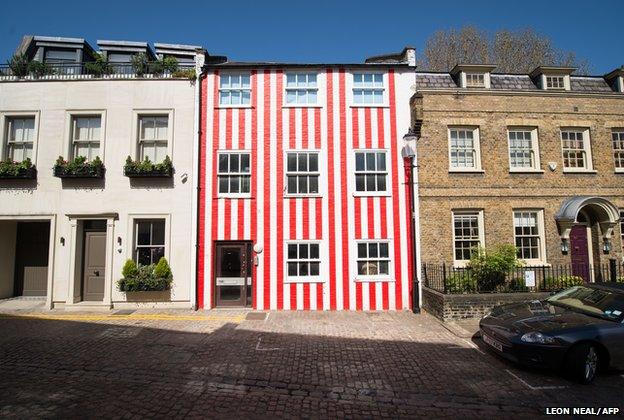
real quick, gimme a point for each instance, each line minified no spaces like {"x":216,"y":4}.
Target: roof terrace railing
{"x":95,"y":70}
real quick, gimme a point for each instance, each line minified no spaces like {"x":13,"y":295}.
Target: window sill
{"x":374,"y":279}
{"x":536,"y":264}
{"x":304,"y":280}
{"x":371,"y":194}
{"x":466,"y":171}
{"x":619,"y":171}
{"x":303,"y":195}
{"x":243,"y":196}
{"x":233,"y":106}
{"x":302,"y":106}
{"x":526,"y":171}
{"x":579,"y":171}
{"x":369,"y":106}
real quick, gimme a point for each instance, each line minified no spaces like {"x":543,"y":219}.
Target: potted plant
{"x":10,"y":169}
{"x":140,"y":64}
{"x":99,"y":66}
{"x":145,"y":278}
{"x":18,"y":65}
{"x":39,"y":69}
{"x":79,"y":168}
{"x":147,"y":169}
{"x":164,"y":65}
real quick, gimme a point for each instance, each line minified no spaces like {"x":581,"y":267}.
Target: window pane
{"x":383,"y":250}
{"x":372,"y":251}
{"x":158,"y":232}
{"x":362,"y":268}
{"x":144,"y":256}
{"x":362,"y":251}
{"x":313,"y":184}
{"x":223,"y":163}
{"x":303,"y":269}
{"x":303,"y":184}
{"x":314,"y":251}
{"x":383,"y":267}
{"x":292,"y":251}
{"x":143,"y":233}
{"x":370,"y":182}
{"x":303,"y":162}
{"x":381,"y":183}
{"x":314,"y":269}
{"x":292,"y":184}
{"x":359,"y":162}
{"x":234,"y":163}
{"x":292,"y":269}
{"x":224,"y":183}
{"x":245,"y":184}
{"x":381,"y":161}
{"x":234,"y":184}
{"x":359,"y":182}
{"x":161,"y":127}
{"x":370,"y":161}
{"x":313,"y":159}
{"x":303,"y":251}
{"x":291,"y":162}
{"x":245,"y":167}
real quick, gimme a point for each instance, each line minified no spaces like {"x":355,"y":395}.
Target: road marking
{"x":132,"y":317}
{"x":258,"y":348}
{"x":531,"y":387}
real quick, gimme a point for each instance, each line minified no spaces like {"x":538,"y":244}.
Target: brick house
{"x":303,"y":200}
{"x":532,"y":160}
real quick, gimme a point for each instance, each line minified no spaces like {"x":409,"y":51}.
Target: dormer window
{"x":475,"y":80}
{"x":555,"y":82}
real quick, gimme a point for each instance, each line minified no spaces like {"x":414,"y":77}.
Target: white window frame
{"x":383,"y":89}
{"x":550,"y":82}
{"x":137,"y":114}
{"x":131,"y":232}
{"x":536,"y":167}
{"x":5,"y":117}
{"x":308,"y":173}
{"x":240,"y":194}
{"x":316,"y":89}
{"x":480,"y":220}
{"x":620,"y":133}
{"x":471,"y":84}
{"x":385,"y":193}
{"x":231,"y":89}
{"x":375,"y":277}
{"x":588,"y":168}
{"x":309,"y":278}
{"x":541,"y":260}
{"x":69,"y":129}
{"x":477,"y":148}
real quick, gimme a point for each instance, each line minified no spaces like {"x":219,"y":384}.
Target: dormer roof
{"x":552,"y":70}
{"x":477,"y":68}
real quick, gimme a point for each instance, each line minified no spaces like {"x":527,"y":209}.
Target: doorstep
{"x":87,"y":307}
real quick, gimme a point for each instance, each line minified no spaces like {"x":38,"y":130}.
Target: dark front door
{"x":31,"y":258}
{"x":579,"y":252}
{"x":233,"y":274}
{"x":94,"y":262}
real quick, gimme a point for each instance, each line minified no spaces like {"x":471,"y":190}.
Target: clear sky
{"x":316,"y":30}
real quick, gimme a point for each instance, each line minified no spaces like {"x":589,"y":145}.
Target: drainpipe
{"x":409,"y":153}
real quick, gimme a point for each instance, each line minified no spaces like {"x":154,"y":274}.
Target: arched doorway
{"x":585,"y":225}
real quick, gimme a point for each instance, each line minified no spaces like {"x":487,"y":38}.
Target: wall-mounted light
{"x":606,"y":246}
{"x":565,"y":246}
{"x":119,"y":240}
{"x":62,"y":241}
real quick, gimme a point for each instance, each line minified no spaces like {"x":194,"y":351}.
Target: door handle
{"x":97,"y":272}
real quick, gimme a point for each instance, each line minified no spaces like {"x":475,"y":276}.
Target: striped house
{"x":303,"y":197}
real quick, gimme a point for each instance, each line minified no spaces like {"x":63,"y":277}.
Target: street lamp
{"x":409,"y":153}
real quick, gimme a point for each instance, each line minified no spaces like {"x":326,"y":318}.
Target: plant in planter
{"x":19,"y":65}
{"x":185,"y":74}
{"x":145,"y":278}
{"x":98,"y":67}
{"x":140,"y":64}
{"x":491,"y":266}
{"x":39,"y":69}
{"x":79,"y":168}
{"x":17,"y":170}
{"x":164,"y":65}
{"x":146,"y":169}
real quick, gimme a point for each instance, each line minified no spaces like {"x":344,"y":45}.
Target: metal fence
{"x":153,"y":69}
{"x":547,"y":278}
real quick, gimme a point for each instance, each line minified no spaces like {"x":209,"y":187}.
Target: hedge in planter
{"x":17,"y":170}
{"x":146,"y":169}
{"x":79,"y":168}
{"x":145,"y":278}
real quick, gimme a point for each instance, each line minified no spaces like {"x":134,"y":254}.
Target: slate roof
{"x":516,"y":82}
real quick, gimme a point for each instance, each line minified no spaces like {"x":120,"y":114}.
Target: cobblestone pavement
{"x":220,"y":364}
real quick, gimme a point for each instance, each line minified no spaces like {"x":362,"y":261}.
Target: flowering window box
{"x":17,"y":170}
{"x":79,"y":168}
{"x":147,"y":169}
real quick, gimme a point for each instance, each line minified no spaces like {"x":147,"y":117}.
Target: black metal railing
{"x":448,"y":279}
{"x":153,"y":69}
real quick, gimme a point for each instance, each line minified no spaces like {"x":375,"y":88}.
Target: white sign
{"x":529,"y":278}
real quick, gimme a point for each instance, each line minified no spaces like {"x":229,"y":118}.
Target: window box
{"x":145,"y":278}
{"x":147,"y":169}
{"x":79,"y":168}
{"x":17,"y":170}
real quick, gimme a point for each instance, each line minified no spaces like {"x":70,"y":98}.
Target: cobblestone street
{"x":226,"y":364}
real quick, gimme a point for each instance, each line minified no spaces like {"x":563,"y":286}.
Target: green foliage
{"x":78,"y":167}
{"x":185,"y":74}
{"x":146,"y":167}
{"x":99,"y":66}
{"x":491,"y":266}
{"x":140,"y":64}
{"x":38,"y":69}
{"x":144,"y":278}
{"x":129,"y":269}
{"x":164,"y":65}
{"x":19,"y":65}
{"x":9,"y":168}
{"x":620,"y":280}
{"x":458,"y":283}
{"x":562,"y":282}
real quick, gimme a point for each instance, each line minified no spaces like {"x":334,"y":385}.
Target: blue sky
{"x":316,"y":30}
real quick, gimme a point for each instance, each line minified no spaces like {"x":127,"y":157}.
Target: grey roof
{"x":512,"y":82}
{"x":589,"y":84}
{"x":434,"y":81}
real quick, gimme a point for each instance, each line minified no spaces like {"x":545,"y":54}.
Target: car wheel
{"x":582,"y":362}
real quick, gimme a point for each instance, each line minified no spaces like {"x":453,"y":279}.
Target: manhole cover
{"x":256,"y":316}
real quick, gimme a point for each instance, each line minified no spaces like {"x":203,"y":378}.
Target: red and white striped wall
{"x":337,"y":218}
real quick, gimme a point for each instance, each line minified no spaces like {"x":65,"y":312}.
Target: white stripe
{"x":313,"y":297}
{"x":273,"y":192}
{"x":234,"y":219}
{"x":298,"y":131}
{"x":286,"y":229}
{"x":366,"y":296}
{"x":208,"y":192}
{"x":323,"y":155}
{"x":348,"y":190}
{"x":379,"y":296}
{"x":337,"y":191}
{"x":298,"y":218}
{"x":364,"y":217}
{"x":260,"y":176}
{"x":299,"y":292}
{"x":374,"y":131}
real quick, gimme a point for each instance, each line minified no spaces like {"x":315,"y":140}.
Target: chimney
{"x":409,"y":56}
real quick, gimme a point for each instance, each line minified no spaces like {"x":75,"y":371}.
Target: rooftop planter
{"x":147,"y":169}
{"x":17,"y":170}
{"x":145,"y":278}
{"x":79,"y":168}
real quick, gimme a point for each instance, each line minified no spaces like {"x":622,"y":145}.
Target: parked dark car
{"x":579,"y":330}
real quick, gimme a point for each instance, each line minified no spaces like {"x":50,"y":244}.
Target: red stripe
{"x":241,"y":203}
{"x":358,"y":296}
{"x":305,"y":208}
{"x":267,"y":192}
{"x":214,"y":210}
{"x":373,"y":295}
{"x":280,"y":195}
{"x":319,"y":296}
{"x":343,"y":195}
{"x":306,"y":296}
{"x":395,"y":192}
{"x":201,"y":211}
{"x":318,"y":201}
{"x":227,"y":203}
{"x":293,"y":296}
{"x":368,"y":135}
{"x":254,"y":176}
{"x":381,"y":139}
{"x":330,"y":190}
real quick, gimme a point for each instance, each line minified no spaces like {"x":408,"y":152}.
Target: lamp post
{"x":409,"y":154}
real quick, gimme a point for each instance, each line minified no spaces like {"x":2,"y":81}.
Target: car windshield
{"x":597,"y":302}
